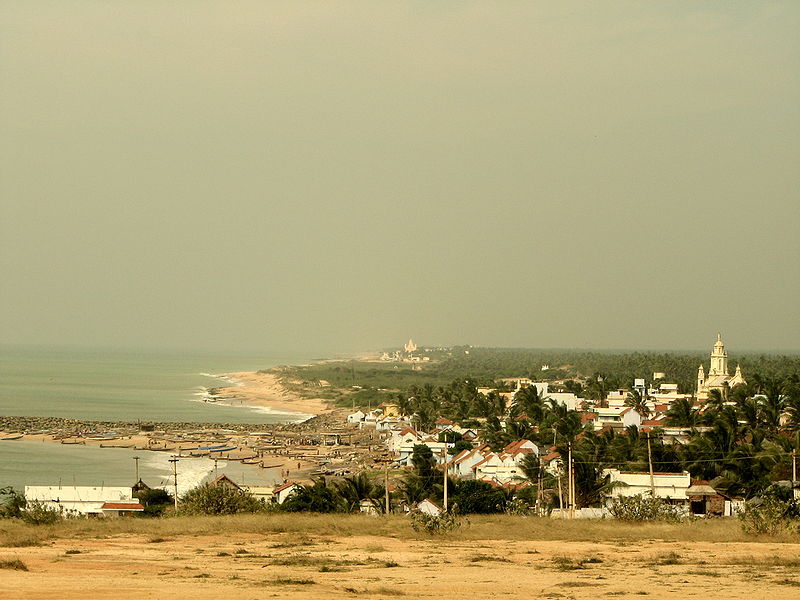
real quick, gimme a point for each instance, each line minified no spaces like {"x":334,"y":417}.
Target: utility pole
{"x":539,"y":491}
{"x":794,"y":469}
{"x":136,"y":461}
{"x":569,"y":481}
{"x":386,"y":486}
{"x":444,"y":468}
{"x":650,"y":462}
{"x":174,"y":462}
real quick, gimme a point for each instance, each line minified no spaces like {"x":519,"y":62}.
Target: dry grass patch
{"x":289,"y":581}
{"x":14,"y":564}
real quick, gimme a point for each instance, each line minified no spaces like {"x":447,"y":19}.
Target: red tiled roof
{"x":548,"y":457}
{"x":443,"y":421}
{"x":122,"y":506}
{"x":282,"y":487}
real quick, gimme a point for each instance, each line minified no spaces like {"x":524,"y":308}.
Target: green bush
{"x":433,"y":524}
{"x":644,"y":508}
{"x":12,"y":503}
{"x":770,"y":515}
{"x":38,"y":513}
{"x":208,"y":499}
{"x":155,"y":501}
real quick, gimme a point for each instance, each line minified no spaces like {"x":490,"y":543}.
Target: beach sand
{"x":265,"y":389}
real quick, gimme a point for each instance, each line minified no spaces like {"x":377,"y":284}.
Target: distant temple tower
{"x":718,"y":378}
{"x":410,"y":346}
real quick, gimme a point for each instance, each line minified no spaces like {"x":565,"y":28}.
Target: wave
{"x":191,"y":471}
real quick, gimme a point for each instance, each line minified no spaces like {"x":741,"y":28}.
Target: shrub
{"x":433,"y":524}
{"x":644,"y":508}
{"x":518,"y":507}
{"x":219,"y":500}
{"x":155,"y":501}
{"x":11,"y":503}
{"x":770,"y":515}
{"x":38,"y":513}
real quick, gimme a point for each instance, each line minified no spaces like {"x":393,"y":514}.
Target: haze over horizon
{"x":336,"y":177}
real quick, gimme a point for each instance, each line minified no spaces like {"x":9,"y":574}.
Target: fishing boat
{"x":14,"y":436}
{"x":214,"y":448}
{"x":223,"y":448}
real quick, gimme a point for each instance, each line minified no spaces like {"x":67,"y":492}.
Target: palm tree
{"x":360,"y":487}
{"x":681,"y":413}
{"x":598,"y":388}
{"x":529,"y":401}
{"x":638,"y":402}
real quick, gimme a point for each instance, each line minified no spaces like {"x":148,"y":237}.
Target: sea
{"x":123,"y":385}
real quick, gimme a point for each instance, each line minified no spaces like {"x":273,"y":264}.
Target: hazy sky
{"x":339,"y":176}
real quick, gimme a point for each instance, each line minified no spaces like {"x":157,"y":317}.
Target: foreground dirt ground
{"x":296,"y":565}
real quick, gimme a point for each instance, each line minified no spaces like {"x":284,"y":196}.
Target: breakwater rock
{"x":60,"y":424}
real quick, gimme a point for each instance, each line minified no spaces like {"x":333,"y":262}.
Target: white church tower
{"x":719,"y":359}
{"x":718,"y":378}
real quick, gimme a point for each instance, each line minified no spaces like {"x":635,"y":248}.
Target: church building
{"x":718,"y":378}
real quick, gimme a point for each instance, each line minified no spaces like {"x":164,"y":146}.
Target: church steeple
{"x":719,"y":359}
{"x":701,"y":379}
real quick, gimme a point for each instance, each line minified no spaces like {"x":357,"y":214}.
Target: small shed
{"x":368,"y":507}
{"x":704,"y":500}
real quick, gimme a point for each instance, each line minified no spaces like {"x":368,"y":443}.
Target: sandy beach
{"x":265,"y":389}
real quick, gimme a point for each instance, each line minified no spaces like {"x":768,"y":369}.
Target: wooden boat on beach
{"x":275,"y":466}
{"x":65,"y":441}
{"x":14,"y":436}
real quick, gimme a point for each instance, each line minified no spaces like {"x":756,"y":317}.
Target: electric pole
{"x":569,"y":481}
{"x":174,"y":462}
{"x":650,"y":462}
{"x":386,"y":486}
{"x":444,"y":468}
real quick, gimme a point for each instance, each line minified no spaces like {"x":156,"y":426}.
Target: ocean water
{"x":124,"y":385}
{"x":121,"y":385}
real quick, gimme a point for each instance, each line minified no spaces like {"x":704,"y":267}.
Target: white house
{"x":85,"y":500}
{"x":356,"y":417}
{"x":500,"y":468}
{"x":282,"y":492}
{"x":428,"y":507}
{"x":618,"y":418}
{"x":462,"y":463}
{"x":439,"y":450}
{"x":668,"y":486}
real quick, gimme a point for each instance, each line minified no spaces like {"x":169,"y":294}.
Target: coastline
{"x":264,"y":389}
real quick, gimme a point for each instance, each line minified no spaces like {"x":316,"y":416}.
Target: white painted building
{"x":356,"y":417}
{"x":617,"y":418}
{"x":85,"y":500}
{"x":668,"y":486}
{"x":282,"y":492}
